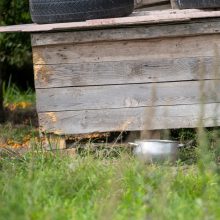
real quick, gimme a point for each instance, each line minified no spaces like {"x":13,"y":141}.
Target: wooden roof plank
{"x":154,"y":17}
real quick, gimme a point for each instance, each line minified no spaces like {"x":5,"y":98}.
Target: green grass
{"x":40,"y":186}
{"x":13,"y":95}
{"x":108,"y":185}
{"x":16,"y":132}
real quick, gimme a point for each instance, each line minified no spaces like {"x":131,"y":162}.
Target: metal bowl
{"x":156,"y":150}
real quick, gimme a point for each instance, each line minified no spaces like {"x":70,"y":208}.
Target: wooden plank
{"x":126,"y":96}
{"x":184,"y":4}
{"x":200,"y":27}
{"x":154,"y":17}
{"x":126,"y":72}
{"x":197,"y":46}
{"x":152,"y":2}
{"x":142,"y":3}
{"x":174,"y":4}
{"x":154,"y":8}
{"x":88,"y":121}
{"x":54,"y":142}
{"x":153,"y":134}
{"x":147,"y":3}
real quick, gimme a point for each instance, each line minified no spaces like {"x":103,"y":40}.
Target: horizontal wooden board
{"x":127,"y":96}
{"x":201,"y":27}
{"x":197,"y":46}
{"x":154,"y":17}
{"x":89,"y":121}
{"x":126,"y":72}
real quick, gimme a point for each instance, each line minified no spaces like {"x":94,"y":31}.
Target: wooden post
{"x":174,"y":4}
{"x":1,"y":97}
{"x":134,"y":135}
{"x":155,"y":134}
{"x":55,"y":142}
{"x":148,"y":135}
{"x":149,"y":3}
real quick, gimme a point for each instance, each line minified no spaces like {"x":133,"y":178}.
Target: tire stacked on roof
{"x":55,"y":11}
{"x":187,"y":4}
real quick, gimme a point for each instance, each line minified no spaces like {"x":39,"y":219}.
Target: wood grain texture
{"x":200,"y":27}
{"x":126,"y":96}
{"x":88,"y":121}
{"x":126,"y":72}
{"x":154,"y":17}
{"x":198,"y":46}
{"x":136,"y":78}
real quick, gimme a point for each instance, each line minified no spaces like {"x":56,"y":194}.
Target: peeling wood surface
{"x":88,"y":121}
{"x":154,"y":17}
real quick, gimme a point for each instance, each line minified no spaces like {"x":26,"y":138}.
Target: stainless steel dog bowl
{"x":156,"y":150}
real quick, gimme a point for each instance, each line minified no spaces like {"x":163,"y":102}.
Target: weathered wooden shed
{"x":150,"y":71}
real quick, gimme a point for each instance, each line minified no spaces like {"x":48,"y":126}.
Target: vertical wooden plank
{"x":146,"y":3}
{"x":133,"y":135}
{"x":55,"y":142}
{"x":154,"y":134}
{"x":174,"y":4}
{"x":154,"y":8}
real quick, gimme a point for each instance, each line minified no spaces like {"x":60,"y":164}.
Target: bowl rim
{"x":139,"y":141}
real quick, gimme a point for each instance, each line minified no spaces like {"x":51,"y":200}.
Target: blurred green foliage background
{"x":15,"y":48}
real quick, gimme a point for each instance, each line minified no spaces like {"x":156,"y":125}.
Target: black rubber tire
{"x":200,"y":4}
{"x":55,"y":11}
